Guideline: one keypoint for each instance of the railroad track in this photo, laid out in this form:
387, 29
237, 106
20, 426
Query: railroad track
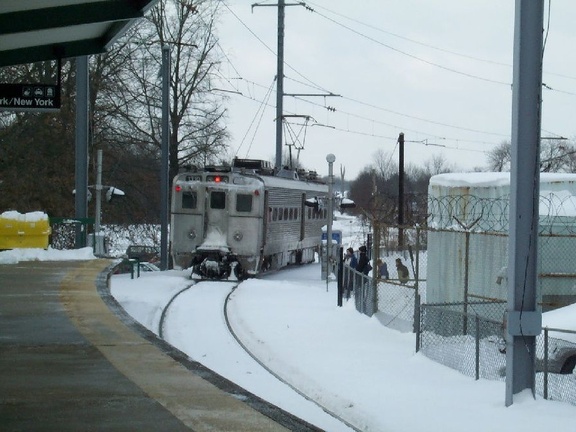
203, 331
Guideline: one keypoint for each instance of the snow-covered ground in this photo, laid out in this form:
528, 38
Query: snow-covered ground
351, 364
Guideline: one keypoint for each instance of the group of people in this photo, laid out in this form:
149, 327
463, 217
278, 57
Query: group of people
362, 264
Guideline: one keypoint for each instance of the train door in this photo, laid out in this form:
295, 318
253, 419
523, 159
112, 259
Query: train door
303, 217
266, 218
217, 215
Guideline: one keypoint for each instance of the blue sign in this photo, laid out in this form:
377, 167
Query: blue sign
336, 236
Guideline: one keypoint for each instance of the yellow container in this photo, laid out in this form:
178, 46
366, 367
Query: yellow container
29, 230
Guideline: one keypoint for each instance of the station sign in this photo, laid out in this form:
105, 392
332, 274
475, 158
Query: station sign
29, 97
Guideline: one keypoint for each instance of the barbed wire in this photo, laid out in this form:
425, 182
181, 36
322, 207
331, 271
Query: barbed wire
491, 215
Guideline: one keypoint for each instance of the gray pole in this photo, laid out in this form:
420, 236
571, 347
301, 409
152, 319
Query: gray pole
280, 83
81, 169
330, 158
524, 321
401, 191
165, 165
98, 216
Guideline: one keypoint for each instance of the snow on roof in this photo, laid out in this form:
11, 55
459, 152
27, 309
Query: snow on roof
24, 217
490, 179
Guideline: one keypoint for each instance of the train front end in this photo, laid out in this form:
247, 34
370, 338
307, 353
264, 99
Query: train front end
217, 223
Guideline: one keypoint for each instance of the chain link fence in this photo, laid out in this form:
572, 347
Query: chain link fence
455, 299
475, 346
469, 343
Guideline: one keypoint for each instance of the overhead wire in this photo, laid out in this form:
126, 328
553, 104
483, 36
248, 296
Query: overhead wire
311, 84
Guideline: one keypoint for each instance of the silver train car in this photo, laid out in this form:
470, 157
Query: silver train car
244, 219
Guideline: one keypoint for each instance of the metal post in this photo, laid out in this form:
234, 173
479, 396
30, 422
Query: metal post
330, 158
401, 191
98, 215
340, 275
165, 165
81, 170
375, 269
477, 344
524, 320
280, 83
546, 347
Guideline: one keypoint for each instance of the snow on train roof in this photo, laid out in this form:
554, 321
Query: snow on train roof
272, 181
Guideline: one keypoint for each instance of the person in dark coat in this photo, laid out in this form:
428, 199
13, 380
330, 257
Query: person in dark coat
403, 274
363, 263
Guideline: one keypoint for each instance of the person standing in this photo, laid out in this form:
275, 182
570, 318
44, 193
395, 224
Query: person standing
403, 274
382, 269
350, 258
363, 263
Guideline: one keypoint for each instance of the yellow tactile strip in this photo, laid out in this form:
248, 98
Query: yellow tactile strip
194, 401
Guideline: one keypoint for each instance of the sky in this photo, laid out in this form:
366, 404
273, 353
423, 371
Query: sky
440, 72
368, 374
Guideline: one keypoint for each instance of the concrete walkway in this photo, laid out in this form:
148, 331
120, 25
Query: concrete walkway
69, 363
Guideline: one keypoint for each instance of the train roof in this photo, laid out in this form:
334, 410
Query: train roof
264, 171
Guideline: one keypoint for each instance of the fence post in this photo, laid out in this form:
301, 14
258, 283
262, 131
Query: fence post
340, 279
477, 336
417, 323
545, 362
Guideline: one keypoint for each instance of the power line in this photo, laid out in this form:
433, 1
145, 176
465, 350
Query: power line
412, 56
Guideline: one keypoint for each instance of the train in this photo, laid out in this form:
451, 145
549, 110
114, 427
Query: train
245, 219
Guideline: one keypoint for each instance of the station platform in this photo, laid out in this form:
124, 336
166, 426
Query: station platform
72, 360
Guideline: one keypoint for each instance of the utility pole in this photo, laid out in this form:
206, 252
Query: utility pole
280, 83
280, 76
401, 191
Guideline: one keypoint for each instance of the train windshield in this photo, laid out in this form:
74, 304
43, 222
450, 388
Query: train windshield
189, 200
244, 203
218, 200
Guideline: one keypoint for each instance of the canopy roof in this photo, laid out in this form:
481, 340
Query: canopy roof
38, 30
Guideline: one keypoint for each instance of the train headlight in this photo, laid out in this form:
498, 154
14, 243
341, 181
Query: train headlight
238, 236
192, 235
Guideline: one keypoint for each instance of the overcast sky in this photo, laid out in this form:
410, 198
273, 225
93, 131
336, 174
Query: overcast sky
439, 71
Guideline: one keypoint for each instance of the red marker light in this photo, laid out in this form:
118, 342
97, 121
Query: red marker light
217, 179
177, 188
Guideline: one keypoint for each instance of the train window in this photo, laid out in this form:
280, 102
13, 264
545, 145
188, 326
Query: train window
189, 200
285, 214
275, 214
218, 200
291, 213
296, 213
243, 203
279, 214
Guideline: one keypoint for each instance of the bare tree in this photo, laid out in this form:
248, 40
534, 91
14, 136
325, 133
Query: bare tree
385, 164
499, 157
133, 105
555, 156
437, 164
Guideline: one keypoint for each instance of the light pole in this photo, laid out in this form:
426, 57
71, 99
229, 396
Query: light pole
330, 158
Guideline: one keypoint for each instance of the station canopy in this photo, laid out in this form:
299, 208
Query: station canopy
39, 30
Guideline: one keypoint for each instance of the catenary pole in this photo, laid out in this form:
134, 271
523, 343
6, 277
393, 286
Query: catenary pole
165, 165
524, 320
280, 83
